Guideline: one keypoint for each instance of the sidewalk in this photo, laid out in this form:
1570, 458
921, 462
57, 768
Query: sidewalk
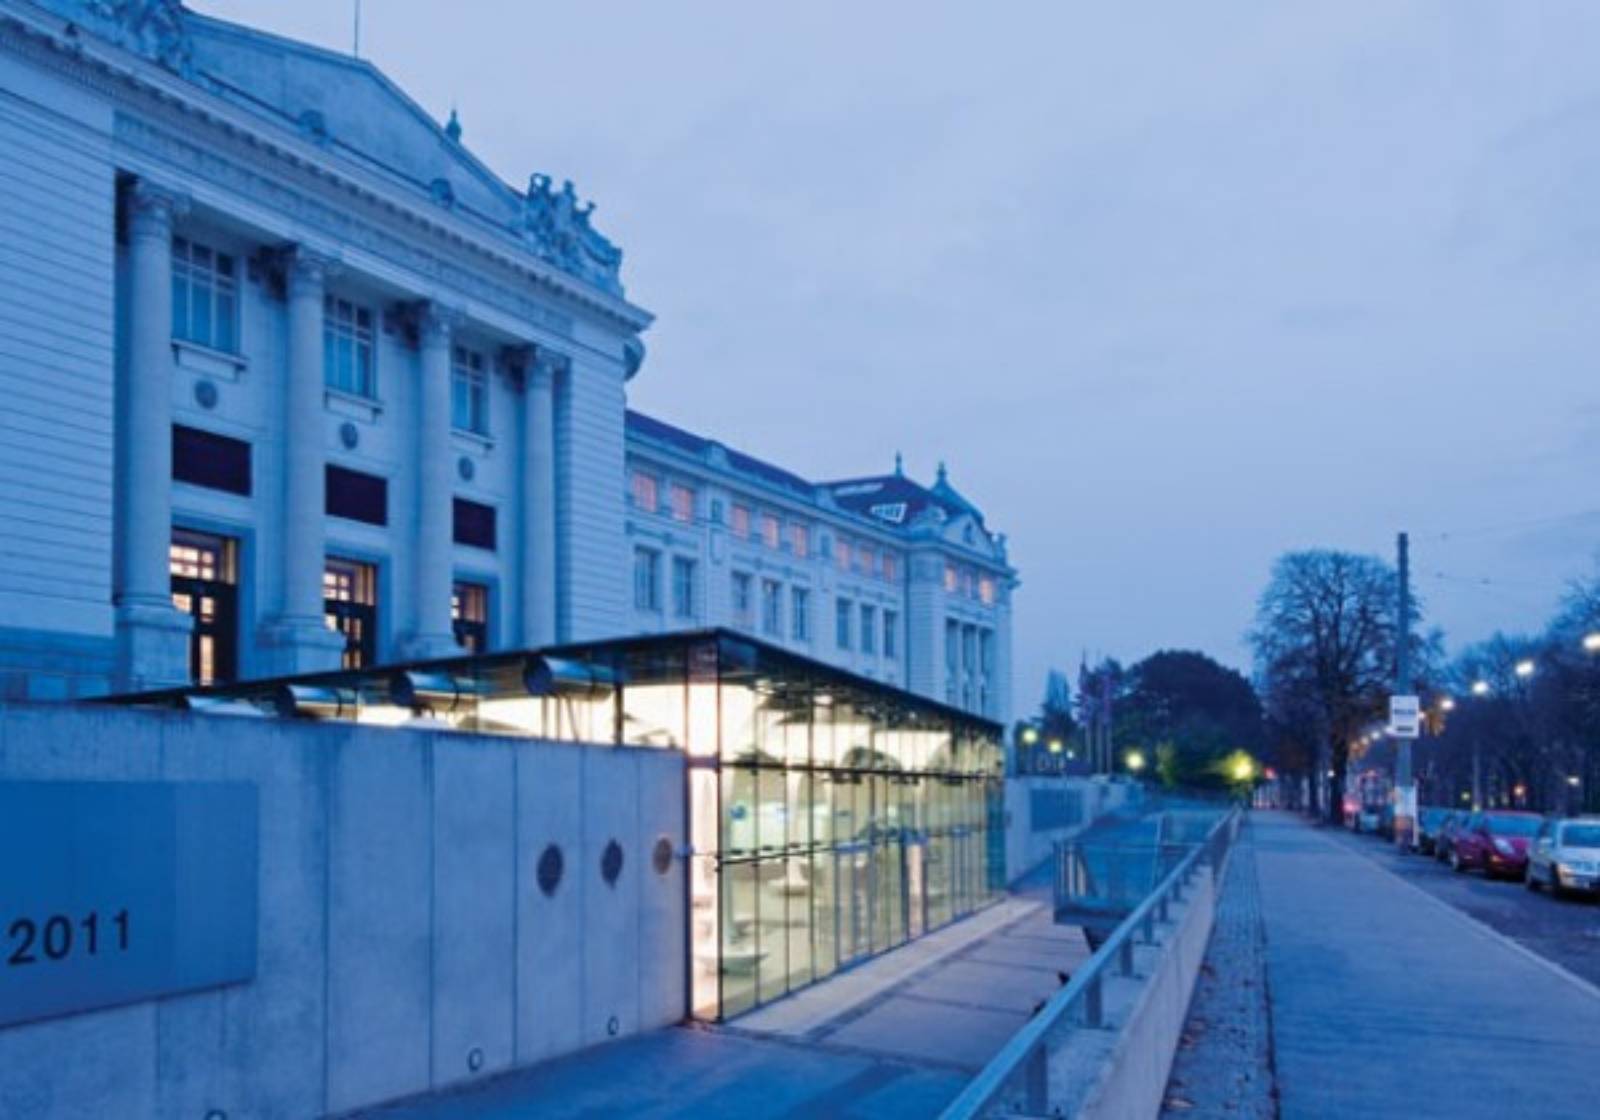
1388, 1002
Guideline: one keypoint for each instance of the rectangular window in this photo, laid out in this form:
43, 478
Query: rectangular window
647, 579
682, 499
869, 629
769, 530
891, 634
865, 560
682, 587
645, 491
205, 296
469, 615
841, 555
969, 648
969, 583
474, 524
842, 609
350, 606
741, 596
986, 650
469, 392
741, 522
356, 496
800, 540
800, 614
204, 573
891, 567
952, 644
206, 459
986, 591
771, 607
347, 347
952, 579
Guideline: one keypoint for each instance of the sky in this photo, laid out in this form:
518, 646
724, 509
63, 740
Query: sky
1172, 288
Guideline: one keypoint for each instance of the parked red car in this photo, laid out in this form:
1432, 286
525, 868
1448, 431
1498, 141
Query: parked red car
1495, 843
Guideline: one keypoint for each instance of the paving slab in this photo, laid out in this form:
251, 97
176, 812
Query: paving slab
1387, 1002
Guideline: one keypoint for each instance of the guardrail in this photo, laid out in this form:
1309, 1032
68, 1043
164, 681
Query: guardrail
1016, 1081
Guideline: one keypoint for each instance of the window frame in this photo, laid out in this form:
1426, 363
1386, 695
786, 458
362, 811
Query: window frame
347, 320
683, 587
469, 389
218, 283
647, 579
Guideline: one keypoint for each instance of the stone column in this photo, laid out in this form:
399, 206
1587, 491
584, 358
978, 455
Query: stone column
539, 498
432, 634
298, 638
152, 635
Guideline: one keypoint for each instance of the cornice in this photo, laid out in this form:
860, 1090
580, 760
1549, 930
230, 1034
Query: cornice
104, 68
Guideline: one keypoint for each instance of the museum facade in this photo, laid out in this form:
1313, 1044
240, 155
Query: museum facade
295, 383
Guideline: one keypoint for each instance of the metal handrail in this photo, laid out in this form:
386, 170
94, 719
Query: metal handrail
1028, 1051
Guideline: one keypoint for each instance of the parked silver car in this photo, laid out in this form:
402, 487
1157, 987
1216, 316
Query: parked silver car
1565, 856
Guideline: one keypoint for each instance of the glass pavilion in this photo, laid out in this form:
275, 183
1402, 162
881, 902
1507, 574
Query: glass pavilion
830, 817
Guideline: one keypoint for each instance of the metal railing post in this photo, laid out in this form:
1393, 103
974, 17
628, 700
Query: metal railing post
1125, 956
1036, 1081
1093, 1007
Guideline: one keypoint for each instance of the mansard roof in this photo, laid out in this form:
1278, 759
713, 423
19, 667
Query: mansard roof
892, 501
349, 106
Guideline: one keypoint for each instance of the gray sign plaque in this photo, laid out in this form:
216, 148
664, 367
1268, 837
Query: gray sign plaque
112, 892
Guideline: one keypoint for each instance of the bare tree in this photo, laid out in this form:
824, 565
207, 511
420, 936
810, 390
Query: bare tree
1324, 642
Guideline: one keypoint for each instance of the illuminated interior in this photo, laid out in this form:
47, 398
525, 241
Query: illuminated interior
830, 818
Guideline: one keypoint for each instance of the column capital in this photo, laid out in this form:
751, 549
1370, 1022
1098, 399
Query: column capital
545, 365
151, 210
306, 272
436, 322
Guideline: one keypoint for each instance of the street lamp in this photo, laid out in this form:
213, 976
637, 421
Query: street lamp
1055, 746
1243, 770
1591, 642
1030, 735
1480, 688
1574, 781
1448, 704
1135, 761
1524, 668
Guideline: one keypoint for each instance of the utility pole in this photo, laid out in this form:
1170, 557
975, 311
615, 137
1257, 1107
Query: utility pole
1405, 790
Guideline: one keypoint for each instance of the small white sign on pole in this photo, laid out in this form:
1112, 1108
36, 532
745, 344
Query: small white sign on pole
1405, 717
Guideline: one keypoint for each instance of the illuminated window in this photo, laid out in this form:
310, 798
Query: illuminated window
865, 559
891, 566
469, 392
347, 347
986, 590
350, 606
203, 570
645, 491
205, 296
682, 499
469, 616
800, 539
841, 554
952, 579
769, 530
741, 522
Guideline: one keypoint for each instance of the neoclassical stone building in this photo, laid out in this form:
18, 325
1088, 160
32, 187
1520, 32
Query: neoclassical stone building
292, 380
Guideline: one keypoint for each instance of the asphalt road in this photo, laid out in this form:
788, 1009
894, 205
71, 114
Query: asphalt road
1566, 931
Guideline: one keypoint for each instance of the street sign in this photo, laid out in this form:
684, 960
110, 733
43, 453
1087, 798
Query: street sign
113, 892
1405, 717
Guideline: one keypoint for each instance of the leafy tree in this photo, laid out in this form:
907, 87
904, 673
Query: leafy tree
1193, 712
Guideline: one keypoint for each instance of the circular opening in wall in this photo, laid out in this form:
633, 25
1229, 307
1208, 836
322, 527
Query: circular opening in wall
549, 872
612, 1026
216, 1114
475, 1059
349, 435
661, 855
205, 393
611, 863
466, 468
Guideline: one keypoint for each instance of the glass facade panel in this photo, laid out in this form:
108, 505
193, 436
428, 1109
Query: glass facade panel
828, 818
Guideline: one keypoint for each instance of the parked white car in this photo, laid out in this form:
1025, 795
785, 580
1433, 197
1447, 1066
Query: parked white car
1565, 856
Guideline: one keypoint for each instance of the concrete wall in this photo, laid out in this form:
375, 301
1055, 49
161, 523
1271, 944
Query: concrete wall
1029, 842
402, 935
